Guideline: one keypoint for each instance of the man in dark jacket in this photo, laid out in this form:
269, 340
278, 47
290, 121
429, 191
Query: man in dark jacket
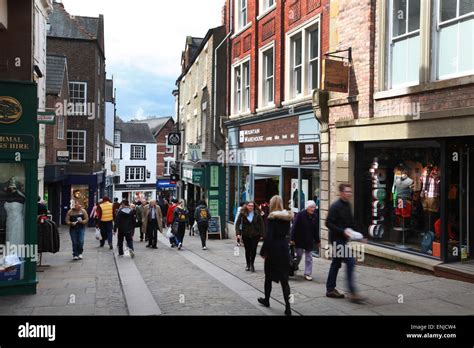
125, 220
304, 234
340, 223
202, 215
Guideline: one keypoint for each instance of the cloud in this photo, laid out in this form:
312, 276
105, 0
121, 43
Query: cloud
144, 41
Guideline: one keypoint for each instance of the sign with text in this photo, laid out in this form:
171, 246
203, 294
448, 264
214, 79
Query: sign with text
194, 153
62, 156
335, 76
17, 143
283, 131
214, 176
214, 226
47, 117
309, 153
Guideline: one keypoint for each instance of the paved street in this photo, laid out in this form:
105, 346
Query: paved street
213, 282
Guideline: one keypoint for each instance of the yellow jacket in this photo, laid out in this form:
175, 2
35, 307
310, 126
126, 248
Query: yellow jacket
106, 212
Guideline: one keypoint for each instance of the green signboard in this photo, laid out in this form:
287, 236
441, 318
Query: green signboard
214, 207
198, 175
214, 176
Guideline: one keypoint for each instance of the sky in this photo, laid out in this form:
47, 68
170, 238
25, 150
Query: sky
143, 44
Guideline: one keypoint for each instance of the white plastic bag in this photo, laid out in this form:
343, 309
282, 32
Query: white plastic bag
98, 235
169, 234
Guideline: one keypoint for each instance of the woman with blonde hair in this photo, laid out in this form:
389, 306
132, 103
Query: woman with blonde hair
276, 252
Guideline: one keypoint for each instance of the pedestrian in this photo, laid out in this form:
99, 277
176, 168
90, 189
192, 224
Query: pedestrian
181, 218
152, 220
115, 206
243, 205
340, 224
125, 224
275, 252
139, 213
251, 228
77, 219
202, 215
169, 220
164, 210
95, 213
304, 234
42, 207
106, 218
191, 210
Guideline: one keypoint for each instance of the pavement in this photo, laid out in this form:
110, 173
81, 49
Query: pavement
214, 282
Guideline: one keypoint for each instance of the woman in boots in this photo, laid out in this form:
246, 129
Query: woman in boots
251, 228
276, 252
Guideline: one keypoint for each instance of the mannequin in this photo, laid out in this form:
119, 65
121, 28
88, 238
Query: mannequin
404, 190
12, 202
430, 192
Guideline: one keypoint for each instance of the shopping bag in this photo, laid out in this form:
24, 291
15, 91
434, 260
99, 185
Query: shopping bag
98, 235
169, 234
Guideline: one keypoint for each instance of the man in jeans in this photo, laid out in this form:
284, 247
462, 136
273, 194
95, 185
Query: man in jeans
340, 223
202, 217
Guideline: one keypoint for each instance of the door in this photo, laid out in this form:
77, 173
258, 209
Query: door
461, 201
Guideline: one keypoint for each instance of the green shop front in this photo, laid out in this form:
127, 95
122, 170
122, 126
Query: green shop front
19, 148
206, 181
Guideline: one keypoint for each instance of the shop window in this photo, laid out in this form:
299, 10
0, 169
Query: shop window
291, 189
234, 201
80, 194
398, 195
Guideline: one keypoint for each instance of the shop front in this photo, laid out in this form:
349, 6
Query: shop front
277, 156
19, 148
135, 192
165, 188
412, 196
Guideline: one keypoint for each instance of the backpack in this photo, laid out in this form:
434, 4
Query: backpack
427, 242
203, 215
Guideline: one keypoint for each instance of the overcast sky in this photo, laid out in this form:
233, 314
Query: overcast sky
143, 44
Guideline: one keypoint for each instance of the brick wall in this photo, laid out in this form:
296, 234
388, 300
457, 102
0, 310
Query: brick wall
161, 148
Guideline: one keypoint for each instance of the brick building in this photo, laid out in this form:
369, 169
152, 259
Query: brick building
275, 54
410, 109
68, 35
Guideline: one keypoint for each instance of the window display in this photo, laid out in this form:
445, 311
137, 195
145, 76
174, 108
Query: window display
80, 194
399, 193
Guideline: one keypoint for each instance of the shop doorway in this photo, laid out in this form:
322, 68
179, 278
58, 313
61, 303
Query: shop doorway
461, 200
266, 188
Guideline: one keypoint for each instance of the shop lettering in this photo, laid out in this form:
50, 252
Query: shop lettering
379, 193
13, 143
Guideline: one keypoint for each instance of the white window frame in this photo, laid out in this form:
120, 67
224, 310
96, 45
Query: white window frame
302, 30
117, 138
167, 168
76, 110
71, 149
263, 90
61, 127
405, 36
138, 174
241, 23
265, 7
238, 99
98, 103
438, 25
138, 152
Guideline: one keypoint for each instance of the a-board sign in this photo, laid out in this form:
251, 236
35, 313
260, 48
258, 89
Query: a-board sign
214, 226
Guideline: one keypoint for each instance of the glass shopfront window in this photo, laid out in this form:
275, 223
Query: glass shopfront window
240, 188
80, 193
398, 194
291, 189
300, 186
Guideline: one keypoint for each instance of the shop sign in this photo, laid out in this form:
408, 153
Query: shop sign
17, 143
174, 139
309, 154
10, 110
198, 174
47, 117
335, 76
62, 156
188, 174
282, 131
194, 153
214, 176
379, 195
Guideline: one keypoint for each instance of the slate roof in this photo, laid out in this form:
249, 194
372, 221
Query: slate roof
155, 124
64, 25
135, 133
56, 71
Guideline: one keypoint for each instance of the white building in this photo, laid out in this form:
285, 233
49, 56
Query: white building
135, 158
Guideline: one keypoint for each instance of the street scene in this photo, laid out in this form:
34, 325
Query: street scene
236, 158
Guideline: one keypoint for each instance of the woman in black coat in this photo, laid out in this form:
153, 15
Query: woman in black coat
251, 227
276, 252
304, 234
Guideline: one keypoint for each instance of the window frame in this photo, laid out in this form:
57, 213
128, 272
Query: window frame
392, 39
84, 104
302, 31
238, 95
135, 168
61, 128
133, 155
265, 7
84, 160
263, 90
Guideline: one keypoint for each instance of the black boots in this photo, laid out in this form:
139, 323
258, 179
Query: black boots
288, 310
264, 302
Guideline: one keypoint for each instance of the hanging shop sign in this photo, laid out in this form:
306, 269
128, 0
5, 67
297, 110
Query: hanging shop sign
335, 76
62, 156
194, 153
309, 154
174, 139
46, 117
10, 110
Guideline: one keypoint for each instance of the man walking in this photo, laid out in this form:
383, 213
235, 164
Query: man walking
125, 224
139, 212
340, 223
202, 217
106, 218
152, 219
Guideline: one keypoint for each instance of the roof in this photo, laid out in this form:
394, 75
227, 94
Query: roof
155, 124
64, 25
136, 133
56, 71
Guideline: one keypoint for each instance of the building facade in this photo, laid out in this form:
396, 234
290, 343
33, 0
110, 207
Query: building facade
135, 153
275, 54
85, 108
403, 135
201, 99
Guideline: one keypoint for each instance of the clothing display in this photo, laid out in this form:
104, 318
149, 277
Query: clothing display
48, 237
404, 209
12, 212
